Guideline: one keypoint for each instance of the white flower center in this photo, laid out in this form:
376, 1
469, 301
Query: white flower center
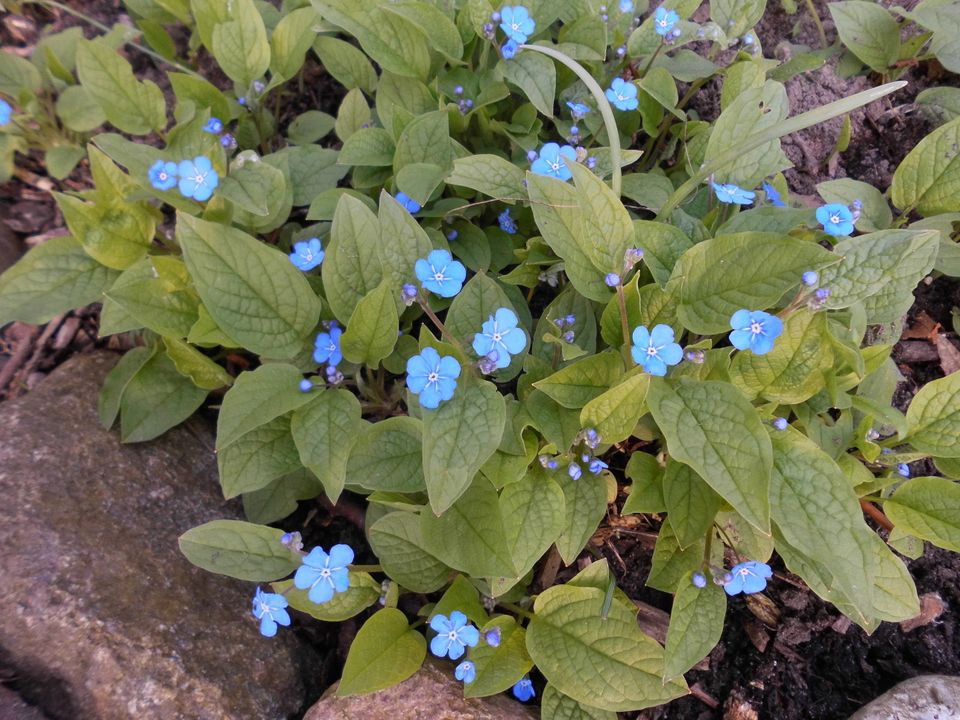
199, 178
452, 635
756, 328
308, 256
652, 351
621, 97
433, 377
325, 573
514, 26
264, 608
163, 176
835, 219
438, 276
662, 23
497, 337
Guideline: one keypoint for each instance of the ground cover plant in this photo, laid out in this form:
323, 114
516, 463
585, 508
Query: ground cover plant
512, 275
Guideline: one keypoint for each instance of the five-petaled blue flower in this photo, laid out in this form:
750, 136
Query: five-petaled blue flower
432, 377
654, 350
516, 23
773, 195
664, 20
198, 179
214, 126
325, 575
523, 690
748, 578
730, 193
623, 94
507, 223
500, 333
6, 112
509, 49
270, 610
578, 110
409, 204
836, 219
466, 672
327, 347
440, 273
755, 330
550, 161
307, 254
454, 634
163, 175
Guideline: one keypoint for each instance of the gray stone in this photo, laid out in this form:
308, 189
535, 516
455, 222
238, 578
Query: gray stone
103, 617
12, 707
928, 697
430, 694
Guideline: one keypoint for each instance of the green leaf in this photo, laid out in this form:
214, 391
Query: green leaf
134, 107
309, 127
155, 292
479, 299
536, 76
62, 159
114, 233
659, 84
353, 114
585, 502
577, 384
662, 246
346, 63
364, 591
325, 431
372, 147
279, 499
696, 623
78, 109
736, 16
258, 458
692, 505
557, 424
463, 596
533, 517
239, 550
458, 438
696, 419
312, 171
194, 94
386, 651
880, 269
646, 489
426, 139
928, 507
869, 31
557, 706
671, 562
251, 290
291, 39
388, 456
934, 417
763, 267
18, 75
351, 268
156, 399
114, 385
491, 175
372, 329
408, 242
256, 398
240, 45
606, 662
398, 542
928, 179
793, 371
191, 363
876, 213
604, 217
433, 23
251, 186
50, 279
499, 668
615, 413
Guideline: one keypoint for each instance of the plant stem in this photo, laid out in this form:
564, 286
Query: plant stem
877, 515
367, 568
609, 121
653, 57
438, 324
624, 324
608, 598
512, 607
816, 21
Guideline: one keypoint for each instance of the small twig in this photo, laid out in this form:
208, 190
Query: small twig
18, 358
700, 694
876, 515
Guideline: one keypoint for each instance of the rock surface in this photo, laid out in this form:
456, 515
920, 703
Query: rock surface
430, 694
103, 617
928, 697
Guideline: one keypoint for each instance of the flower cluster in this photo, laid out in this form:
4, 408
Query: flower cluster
195, 178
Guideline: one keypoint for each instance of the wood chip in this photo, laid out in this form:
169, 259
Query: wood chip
931, 607
757, 633
949, 354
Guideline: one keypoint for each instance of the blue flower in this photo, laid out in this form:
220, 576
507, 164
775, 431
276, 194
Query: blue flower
773, 197
664, 20
748, 578
755, 330
903, 470
516, 23
509, 49
409, 204
626, 6
597, 466
655, 350
780, 423
327, 347
550, 161
440, 273
611, 280
699, 580
454, 634
730, 193
214, 126
492, 637
466, 671
623, 94
432, 377
574, 471
228, 141
507, 223
836, 219
306, 385
325, 575
270, 610
163, 175
523, 690
809, 278
198, 179
578, 110
6, 112
307, 255
501, 334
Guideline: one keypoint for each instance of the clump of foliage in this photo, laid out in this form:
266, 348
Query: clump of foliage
520, 277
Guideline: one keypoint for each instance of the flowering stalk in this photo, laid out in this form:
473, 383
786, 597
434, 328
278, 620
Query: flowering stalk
439, 324
624, 325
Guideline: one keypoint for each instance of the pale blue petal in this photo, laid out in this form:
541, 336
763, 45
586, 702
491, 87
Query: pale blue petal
431, 357
268, 628
445, 387
639, 354
281, 617
540, 167
569, 153
416, 383
661, 335
514, 340
321, 593
761, 345
317, 558
772, 326
430, 397
422, 269
449, 367
439, 645
550, 152
503, 357
440, 624
456, 271
341, 555
469, 635
305, 577
457, 619
482, 344
671, 353
455, 650
655, 366
641, 337
341, 580
505, 319
740, 339
740, 320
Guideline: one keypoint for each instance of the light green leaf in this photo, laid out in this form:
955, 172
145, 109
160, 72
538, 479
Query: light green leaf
662, 246
388, 456
602, 661
557, 706
692, 504
585, 502
536, 76
156, 399
458, 438
696, 623
364, 591
346, 63
869, 31
353, 114
386, 651
398, 542
407, 242
603, 217
325, 432
577, 384
928, 507
291, 39
671, 562
928, 179
258, 458
156, 293
646, 489
934, 417
114, 385
17, 75
499, 668
557, 424
351, 268
372, 147
433, 23
50, 279
491, 175
240, 45
194, 94
615, 413
876, 214
251, 290
114, 233
239, 550
372, 329
251, 186
696, 419
190, 362
736, 16
78, 109
426, 139
533, 517
310, 126
463, 596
